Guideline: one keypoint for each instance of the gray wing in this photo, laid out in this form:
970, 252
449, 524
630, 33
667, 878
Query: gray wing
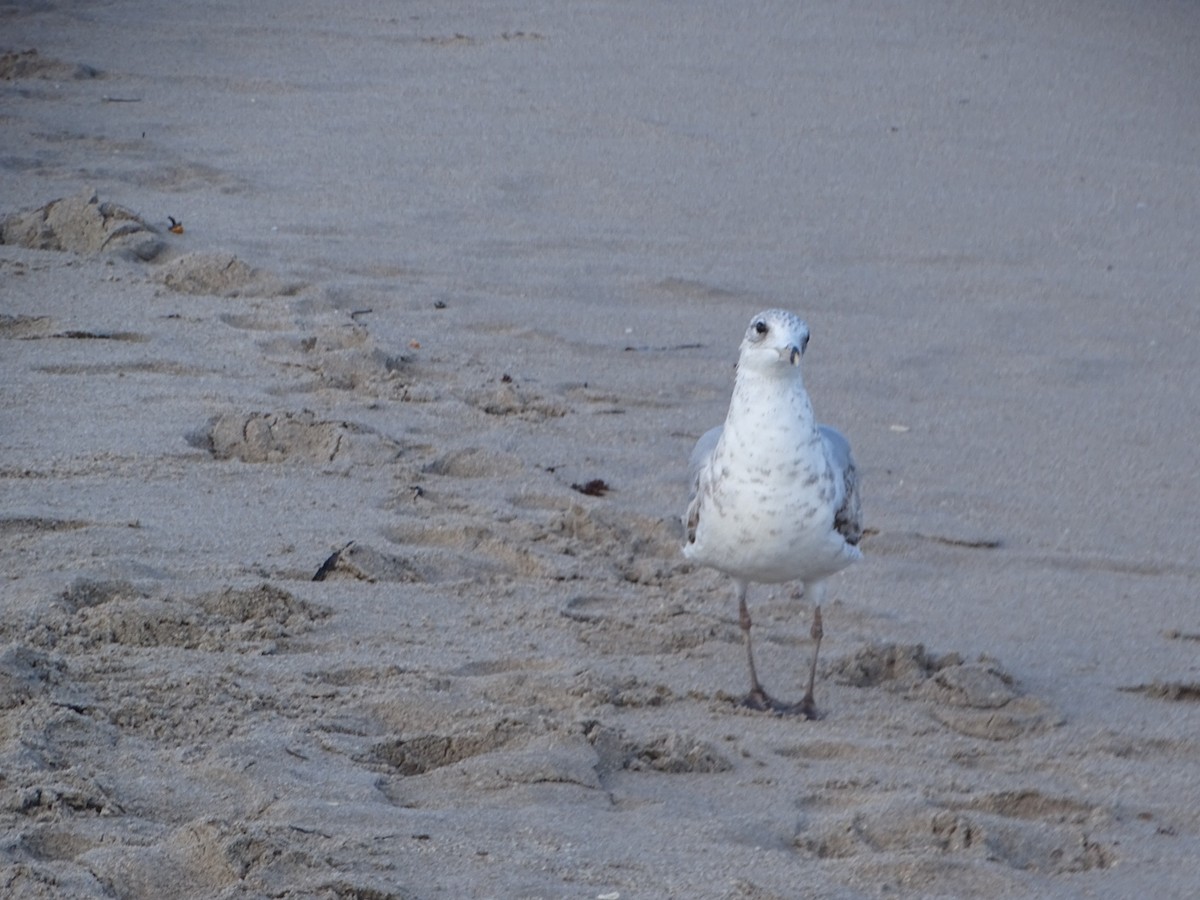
848, 518
701, 454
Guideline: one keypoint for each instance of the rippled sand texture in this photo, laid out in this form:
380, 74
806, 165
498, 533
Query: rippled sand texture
350, 363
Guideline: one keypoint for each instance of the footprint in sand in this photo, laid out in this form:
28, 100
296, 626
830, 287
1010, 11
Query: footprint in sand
276, 437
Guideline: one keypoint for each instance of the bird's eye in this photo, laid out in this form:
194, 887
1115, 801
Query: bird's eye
760, 327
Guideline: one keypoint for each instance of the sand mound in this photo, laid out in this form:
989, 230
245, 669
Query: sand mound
28, 64
221, 275
276, 437
83, 224
91, 613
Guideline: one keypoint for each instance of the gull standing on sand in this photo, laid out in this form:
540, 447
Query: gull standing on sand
774, 494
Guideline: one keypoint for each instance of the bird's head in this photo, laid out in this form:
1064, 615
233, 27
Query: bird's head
774, 342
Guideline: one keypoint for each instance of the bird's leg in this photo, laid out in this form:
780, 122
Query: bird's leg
757, 698
807, 706
814, 591
760, 699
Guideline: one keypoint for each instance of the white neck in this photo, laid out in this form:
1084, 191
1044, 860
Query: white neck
762, 398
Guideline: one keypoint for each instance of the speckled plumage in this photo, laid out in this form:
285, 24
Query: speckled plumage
774, 494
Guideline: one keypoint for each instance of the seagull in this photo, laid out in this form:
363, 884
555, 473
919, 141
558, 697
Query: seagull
774, 495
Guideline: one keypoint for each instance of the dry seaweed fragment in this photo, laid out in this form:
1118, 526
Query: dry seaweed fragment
1166, 690
597, 487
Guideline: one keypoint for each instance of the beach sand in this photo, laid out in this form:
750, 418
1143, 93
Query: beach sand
456, 289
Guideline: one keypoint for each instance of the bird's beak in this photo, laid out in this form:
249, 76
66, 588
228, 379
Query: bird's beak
795, 354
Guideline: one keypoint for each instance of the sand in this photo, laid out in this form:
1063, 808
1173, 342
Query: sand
457, 287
